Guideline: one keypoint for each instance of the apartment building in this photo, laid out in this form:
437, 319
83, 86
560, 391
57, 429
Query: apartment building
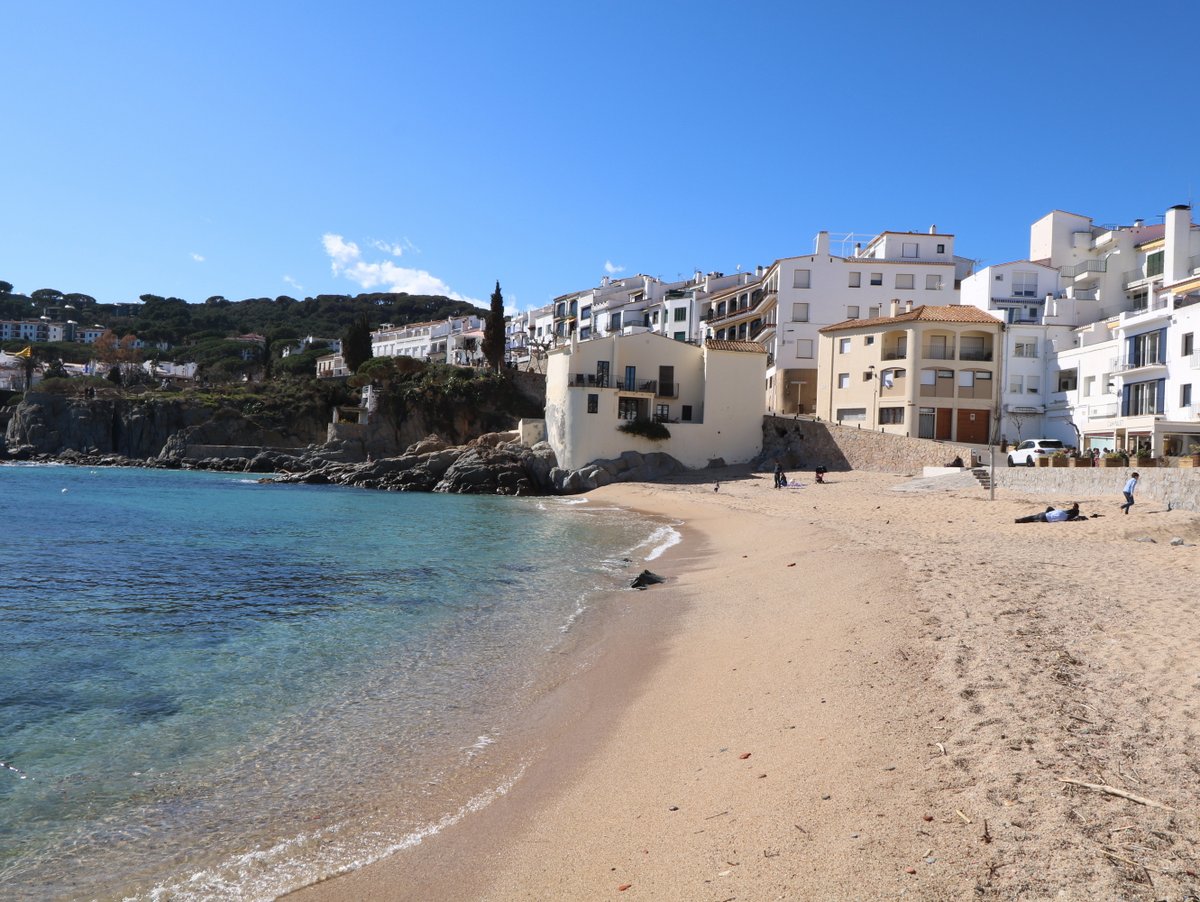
795, 297
456, 340
710, 396
927, 372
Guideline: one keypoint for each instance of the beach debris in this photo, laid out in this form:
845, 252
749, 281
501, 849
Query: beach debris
623, 887
724, 873
927, 818
1113, 791
966, 820
762, 776
673, 808
16, 770
987, 837
910, 870
646, 578
1177, 540
718, 814
744, 755
826, 798
793, 564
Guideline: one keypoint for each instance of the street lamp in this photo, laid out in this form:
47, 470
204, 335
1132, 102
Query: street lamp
871, 374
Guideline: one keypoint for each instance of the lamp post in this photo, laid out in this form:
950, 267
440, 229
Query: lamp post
873, 376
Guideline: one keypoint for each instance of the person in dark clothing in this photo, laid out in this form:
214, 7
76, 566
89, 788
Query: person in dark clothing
1054, 515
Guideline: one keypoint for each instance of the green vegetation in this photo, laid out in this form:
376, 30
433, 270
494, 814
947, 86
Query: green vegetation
648, 429
493, 331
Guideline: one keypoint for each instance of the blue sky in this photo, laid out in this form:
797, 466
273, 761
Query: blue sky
258, 149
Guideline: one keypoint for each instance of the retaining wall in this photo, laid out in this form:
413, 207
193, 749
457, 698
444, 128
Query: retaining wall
805, 444
1178, 486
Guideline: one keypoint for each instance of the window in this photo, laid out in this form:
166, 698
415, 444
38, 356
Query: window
873, 312
585, 332
1185, 395
1033, 385
686, 415
1146, 349
614, 322
843, 346
799, 313
1154, 264
876, 278
904, 281
585, 313
941, 249
1089, 386
1024, 285
852, 311
662, 412
680, 336
855, 280
1068, 380
1027, 348
593, 403
1016, 384
869, 340
851, 414
1186, 347
843, 380
680, 314
933, 282
1142, 398
804, 348
891, 416
909, 249
802, 278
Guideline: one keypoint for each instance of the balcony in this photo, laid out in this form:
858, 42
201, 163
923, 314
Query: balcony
1125, 365
667, 390
638, 386
984, 355
1101, 411
896, 353
1087, 267
938, 353
587, 380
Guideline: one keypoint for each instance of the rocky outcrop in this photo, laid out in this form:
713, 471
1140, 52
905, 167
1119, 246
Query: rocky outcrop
45, 423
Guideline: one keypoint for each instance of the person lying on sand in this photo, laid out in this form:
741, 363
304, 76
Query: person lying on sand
1054, 515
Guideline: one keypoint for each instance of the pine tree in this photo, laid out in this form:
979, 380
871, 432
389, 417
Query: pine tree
356, 344
493, 331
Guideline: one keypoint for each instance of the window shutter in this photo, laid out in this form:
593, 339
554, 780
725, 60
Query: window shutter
1162, 347
1160, 396
1131, 351
1125, 400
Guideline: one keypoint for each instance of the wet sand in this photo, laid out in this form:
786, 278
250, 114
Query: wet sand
846, 691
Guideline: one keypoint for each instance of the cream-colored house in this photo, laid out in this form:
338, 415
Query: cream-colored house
927, 372
709, 397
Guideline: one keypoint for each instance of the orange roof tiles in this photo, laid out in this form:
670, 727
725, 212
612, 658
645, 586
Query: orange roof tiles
926, 313
724, 345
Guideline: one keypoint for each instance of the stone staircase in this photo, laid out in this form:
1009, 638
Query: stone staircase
982, 476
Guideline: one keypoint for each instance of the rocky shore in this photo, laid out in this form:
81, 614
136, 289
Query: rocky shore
492, 464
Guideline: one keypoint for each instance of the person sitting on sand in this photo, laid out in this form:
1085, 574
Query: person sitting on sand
1054, 515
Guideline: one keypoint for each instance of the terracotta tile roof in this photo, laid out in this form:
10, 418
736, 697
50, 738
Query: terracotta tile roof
926, 313
724, 345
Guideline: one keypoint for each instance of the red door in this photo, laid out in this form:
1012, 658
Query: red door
973, 427
941, 429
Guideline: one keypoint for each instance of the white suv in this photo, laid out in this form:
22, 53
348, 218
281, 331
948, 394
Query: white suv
1026, 453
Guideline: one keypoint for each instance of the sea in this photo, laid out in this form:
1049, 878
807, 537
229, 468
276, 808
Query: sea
215, 688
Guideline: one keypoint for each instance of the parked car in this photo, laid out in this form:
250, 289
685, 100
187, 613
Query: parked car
1027, 453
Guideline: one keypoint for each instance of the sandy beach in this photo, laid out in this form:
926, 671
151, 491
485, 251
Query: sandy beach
868, 689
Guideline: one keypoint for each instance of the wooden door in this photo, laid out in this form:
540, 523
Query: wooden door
973, 427
944, 423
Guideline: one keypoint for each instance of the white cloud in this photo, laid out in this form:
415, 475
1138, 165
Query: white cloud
197, 257
396, 248
290, 281
611, 268
346, 260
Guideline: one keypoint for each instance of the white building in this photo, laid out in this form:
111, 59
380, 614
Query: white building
795, 297
457, 340
710, 397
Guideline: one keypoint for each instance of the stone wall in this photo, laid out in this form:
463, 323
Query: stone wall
1178, 486
804, 444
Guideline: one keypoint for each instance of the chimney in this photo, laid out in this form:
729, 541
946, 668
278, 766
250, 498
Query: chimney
604, 281
758, 271
908, 306
1138, 223
892, 305
857, 248
1176, 243
933, 229
822, 246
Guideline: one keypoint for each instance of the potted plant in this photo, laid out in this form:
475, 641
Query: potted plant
1146, 461
1081, 460
1190, 460
1059, 458
1113, 459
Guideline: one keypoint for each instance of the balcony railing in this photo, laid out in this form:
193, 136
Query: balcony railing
588, 380
668, 390
974, 355
895, 353
1070, 272
1153, 360
649, 387
1101, 411
938, 353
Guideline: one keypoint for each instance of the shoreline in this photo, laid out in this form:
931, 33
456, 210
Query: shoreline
864, 693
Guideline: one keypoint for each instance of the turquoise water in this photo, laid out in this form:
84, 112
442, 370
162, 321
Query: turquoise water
212, 688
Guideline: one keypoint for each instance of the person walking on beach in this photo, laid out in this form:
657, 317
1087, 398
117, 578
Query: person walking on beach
1130, 485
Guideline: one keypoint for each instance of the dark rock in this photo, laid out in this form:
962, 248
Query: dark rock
645, 579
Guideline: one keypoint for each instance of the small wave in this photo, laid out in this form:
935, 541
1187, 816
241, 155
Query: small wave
284, 867
661, 539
